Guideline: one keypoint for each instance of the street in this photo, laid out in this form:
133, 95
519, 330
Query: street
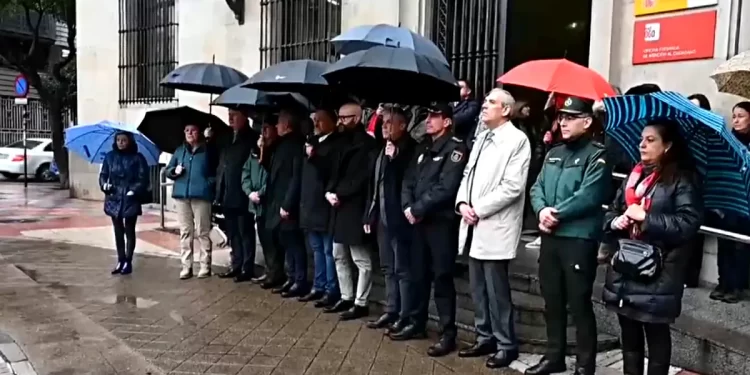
60, 305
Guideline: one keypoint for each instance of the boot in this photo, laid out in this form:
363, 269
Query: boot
127, 268
186, 273
205, 271
118, 268
632, 363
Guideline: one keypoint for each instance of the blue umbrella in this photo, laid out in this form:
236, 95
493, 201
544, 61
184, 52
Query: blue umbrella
720, 158
366, 36
93, 142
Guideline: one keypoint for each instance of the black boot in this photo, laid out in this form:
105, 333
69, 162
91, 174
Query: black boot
632, 363
118, 268
127, 268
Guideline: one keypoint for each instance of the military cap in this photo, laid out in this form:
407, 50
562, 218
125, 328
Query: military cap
575, 105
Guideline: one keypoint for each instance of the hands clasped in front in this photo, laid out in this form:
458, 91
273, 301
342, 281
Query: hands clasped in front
468, 214
548, 219
634, 214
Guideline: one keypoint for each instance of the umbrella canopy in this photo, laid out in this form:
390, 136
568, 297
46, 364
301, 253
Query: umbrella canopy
93, 142
205, 78
559, 76
301, 76
721, 159
394, 75
165, 127
733, 76
365, 37
239, 96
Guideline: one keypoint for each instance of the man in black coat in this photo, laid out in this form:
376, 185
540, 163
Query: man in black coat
315, 211
347, 193
385, 217
235, 148
282, 212
465, 113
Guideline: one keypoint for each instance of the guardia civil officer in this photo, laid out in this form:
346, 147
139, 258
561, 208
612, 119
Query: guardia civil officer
567, 199
427, 196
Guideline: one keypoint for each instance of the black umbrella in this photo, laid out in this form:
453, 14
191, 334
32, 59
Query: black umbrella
301, 76
165, 127
252, 99
207, 78
394, 75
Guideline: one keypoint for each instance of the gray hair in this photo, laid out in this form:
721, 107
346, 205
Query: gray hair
505, 97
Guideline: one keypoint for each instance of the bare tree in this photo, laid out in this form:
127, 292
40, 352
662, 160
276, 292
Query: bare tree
56, 82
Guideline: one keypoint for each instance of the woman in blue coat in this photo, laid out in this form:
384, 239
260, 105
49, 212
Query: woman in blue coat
124, 180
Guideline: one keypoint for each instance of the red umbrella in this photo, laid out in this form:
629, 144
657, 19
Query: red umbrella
559, 76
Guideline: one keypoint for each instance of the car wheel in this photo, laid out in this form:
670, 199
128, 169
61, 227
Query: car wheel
10, 176
44, 174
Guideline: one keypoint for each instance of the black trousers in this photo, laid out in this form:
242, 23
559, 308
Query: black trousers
567, 270
273, 252
241, 233
124, 231
435, 242
633, 345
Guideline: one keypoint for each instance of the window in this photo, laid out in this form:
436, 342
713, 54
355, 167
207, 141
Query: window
298, 29
48, 148
469, 33
30, 144
148, 50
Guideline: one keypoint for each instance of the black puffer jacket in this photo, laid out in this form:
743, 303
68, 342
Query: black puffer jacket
673, 220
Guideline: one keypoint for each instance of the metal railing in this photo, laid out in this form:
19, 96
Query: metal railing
720, 233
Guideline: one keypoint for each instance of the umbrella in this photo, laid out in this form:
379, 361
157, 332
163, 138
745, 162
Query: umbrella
207, 78
733, 76
165, 127
239, 96
721, 159
559, 76
394, 75
93, 142
301, 76
367, 36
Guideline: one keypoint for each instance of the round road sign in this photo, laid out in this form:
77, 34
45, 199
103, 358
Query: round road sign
21, 86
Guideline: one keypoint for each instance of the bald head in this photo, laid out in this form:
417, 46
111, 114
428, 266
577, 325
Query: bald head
350, 115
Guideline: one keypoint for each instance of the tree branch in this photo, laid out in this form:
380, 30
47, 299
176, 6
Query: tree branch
34, 31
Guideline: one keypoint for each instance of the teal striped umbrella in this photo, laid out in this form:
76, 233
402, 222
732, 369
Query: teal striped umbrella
721, 159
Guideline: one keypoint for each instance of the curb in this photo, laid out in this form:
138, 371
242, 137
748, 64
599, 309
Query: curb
13, 361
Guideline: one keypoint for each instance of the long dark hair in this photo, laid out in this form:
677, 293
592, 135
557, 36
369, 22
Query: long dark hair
744, 105
702, 101
132, 146
677, 161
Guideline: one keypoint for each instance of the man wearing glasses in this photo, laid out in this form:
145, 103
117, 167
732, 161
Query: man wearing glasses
567, 199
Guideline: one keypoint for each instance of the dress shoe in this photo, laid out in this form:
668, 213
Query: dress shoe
230, 274
271, 284
127, 268
409, 332
442, 348
294, 291
283, 288
326, 301
259, 280
243, 277
312, 296
546, 367
502, 359
355, 312
397, 326
383, 321
340, 306
186, 273
118, 268
478, 350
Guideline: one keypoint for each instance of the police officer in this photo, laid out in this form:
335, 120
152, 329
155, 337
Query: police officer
567, 199
427, 196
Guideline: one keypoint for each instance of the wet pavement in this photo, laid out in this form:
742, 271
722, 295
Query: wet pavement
70, 316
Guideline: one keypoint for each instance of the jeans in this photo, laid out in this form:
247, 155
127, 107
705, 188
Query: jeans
396, 259
293, 243
325, 279
125, 229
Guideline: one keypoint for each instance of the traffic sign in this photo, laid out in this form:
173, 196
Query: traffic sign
21, 86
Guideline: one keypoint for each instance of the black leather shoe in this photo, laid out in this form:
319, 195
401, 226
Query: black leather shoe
355, 312
502, 359
287, 285
478, 350
243, 277
383, 321
118, 268
230, 274
294, 291
410, 332
326, 301
312, 296
270, 284
546, 367
442, 348
259, 280
397, 326
340, 306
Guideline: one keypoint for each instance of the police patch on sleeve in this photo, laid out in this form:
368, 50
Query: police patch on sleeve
457, 156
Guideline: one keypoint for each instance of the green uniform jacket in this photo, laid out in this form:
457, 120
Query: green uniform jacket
254, 179
575, 180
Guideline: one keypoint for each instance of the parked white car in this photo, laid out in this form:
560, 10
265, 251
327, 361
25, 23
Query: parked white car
39, 154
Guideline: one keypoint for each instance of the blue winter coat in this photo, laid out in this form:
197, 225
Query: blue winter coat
125, 171
198, 178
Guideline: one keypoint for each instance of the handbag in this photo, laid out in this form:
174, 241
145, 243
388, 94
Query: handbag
637, 260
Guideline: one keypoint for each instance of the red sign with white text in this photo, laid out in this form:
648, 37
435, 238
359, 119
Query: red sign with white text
676, 38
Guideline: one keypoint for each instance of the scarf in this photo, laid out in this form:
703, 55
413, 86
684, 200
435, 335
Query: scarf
638, 189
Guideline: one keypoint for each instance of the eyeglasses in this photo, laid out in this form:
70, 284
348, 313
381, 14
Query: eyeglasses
346, 117
569, 117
